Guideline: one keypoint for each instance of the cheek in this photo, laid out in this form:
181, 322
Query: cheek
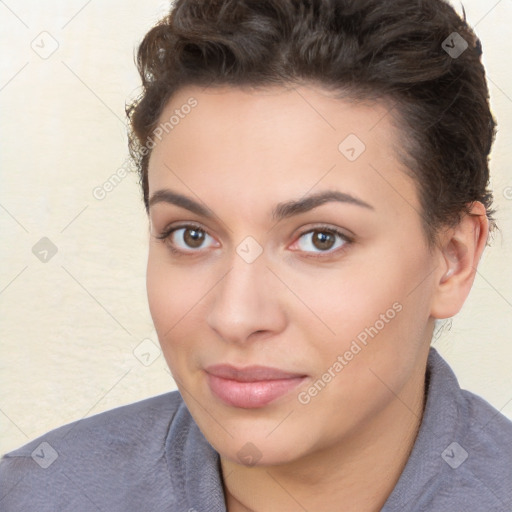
379, 338
177, 296
166, 299
343, 301
172, 294
376, 311
162, 296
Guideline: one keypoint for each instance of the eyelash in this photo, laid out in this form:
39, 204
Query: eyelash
165, 235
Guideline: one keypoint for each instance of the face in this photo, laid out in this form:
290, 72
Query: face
289, 278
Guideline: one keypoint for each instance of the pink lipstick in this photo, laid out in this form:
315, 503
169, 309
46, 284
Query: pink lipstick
250, 387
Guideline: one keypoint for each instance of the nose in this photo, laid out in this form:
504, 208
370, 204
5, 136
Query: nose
246, 303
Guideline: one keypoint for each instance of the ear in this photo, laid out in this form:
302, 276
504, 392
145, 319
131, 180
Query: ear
459, 250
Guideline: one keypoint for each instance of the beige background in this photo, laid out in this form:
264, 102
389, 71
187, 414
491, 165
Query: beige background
71, 327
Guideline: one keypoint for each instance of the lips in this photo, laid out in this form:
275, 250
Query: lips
249, 373
250, 387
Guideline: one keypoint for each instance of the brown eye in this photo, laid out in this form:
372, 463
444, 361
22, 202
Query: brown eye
193, 237
184, 238
323, 240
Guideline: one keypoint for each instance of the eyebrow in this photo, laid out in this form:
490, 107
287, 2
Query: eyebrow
281, 210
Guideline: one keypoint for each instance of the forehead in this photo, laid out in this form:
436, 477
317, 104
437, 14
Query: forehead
257, 116
277, 143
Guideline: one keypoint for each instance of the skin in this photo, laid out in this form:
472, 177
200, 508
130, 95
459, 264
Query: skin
240, 153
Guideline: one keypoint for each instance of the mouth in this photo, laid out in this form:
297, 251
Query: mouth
250, 387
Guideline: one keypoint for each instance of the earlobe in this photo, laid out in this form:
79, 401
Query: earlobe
459, 254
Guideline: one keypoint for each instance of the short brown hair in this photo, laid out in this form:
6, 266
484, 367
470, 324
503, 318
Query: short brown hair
393, 50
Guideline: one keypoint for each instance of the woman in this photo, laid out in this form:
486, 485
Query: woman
316, 181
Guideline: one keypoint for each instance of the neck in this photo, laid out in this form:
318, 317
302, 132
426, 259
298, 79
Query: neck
359, 472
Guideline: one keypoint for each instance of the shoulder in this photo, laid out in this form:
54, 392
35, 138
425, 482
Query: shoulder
462, 456
95, 458
476, 468
488, 444
120, 426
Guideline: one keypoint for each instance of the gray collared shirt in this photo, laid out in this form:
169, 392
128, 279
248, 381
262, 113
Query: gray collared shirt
151, 456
